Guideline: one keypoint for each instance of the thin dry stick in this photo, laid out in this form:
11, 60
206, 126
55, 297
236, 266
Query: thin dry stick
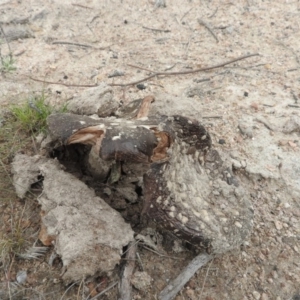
155, 29
159, 254
182, 72
106, 290
214, 13
78, 44
125, 284
66, 291
8, 45
151, 76
185, 14
64, 84
212, 117
171, 290
140, 261
205, 279
70, 43
201, 22
82, 6
81, 284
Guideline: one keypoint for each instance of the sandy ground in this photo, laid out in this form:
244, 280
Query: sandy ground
83, 42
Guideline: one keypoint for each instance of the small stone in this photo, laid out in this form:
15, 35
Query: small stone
264, 296
236, 164
245, 130
270, 280
256, 295
107, 191
141, 86
21, 277
274, 274
278, 225
141, 280
128, 193
116, 73
222, 141
191, 294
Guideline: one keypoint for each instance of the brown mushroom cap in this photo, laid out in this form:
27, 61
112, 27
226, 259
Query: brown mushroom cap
117, 139
184, 188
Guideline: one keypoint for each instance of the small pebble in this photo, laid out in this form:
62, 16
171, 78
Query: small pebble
264, 296
141, 280
278, 225
21, 277
116, 73
256, 295
107, 191
222, 141
141, 86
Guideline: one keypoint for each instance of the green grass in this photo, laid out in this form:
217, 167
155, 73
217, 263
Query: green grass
11, 243
33, 114
7, 64
17, 130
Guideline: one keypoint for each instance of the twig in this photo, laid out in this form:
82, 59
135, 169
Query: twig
171, 290
264, 122
188, 44
140, 261
141, 68
155, 29
181, 72
213, 14
212, 117
104, 291
78, 44
186, 14
201, 22
70, 43
65, 84
205, 279
82, 6
80, 285
66, 291
160, 254
125, 284
153, 75
171, 67
8, 45
201, 69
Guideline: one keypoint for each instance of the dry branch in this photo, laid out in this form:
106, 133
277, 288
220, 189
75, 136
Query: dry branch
125, 285
170, 291
153, 75
201, 22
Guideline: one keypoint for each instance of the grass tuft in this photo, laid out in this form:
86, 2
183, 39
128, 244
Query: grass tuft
33, 114
11, 243
7, 64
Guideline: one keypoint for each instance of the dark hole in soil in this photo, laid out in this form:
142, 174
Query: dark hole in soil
119, 195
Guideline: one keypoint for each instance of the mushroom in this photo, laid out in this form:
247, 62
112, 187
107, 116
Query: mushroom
186, 187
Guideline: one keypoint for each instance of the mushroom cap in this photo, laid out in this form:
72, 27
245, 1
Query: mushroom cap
189, 188
116, 139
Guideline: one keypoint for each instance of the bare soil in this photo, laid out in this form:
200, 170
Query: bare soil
246, 104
